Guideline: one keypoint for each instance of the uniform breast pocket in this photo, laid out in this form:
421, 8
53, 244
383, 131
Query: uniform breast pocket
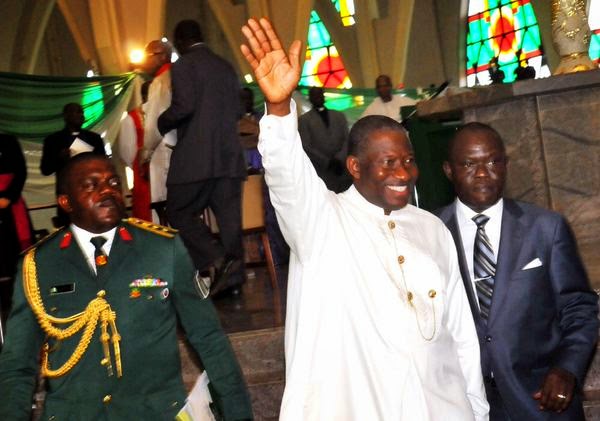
149, 307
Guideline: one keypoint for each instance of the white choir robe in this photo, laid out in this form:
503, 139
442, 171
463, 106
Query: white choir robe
159, 162
159, 99
353, 347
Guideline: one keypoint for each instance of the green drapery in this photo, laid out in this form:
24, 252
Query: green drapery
31, 106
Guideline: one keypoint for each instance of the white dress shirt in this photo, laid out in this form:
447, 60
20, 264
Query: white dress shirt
83, 238
468, 230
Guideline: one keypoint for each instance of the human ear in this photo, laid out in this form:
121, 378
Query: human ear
64, 203
447, 170
353, 166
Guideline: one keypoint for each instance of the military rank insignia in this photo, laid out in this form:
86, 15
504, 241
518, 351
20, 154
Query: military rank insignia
66, 240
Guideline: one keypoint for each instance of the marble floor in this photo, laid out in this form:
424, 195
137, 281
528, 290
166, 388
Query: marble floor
259, 306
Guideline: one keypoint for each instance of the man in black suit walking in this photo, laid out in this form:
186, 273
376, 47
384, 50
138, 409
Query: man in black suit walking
207, 165
535, 314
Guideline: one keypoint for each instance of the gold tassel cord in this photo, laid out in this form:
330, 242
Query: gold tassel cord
97, 310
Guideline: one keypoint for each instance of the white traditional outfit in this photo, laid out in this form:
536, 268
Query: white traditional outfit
355, 348
159, 99
390, 108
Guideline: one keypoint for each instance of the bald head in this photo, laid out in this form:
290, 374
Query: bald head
473, 130
157, 53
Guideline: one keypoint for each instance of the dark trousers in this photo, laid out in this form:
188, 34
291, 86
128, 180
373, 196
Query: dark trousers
185, 204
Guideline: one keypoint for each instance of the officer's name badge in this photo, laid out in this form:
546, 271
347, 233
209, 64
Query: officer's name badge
147, 282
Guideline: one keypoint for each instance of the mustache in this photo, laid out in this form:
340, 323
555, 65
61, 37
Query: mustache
110, 200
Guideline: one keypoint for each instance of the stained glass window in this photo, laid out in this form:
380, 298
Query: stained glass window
323, 65
502, 30
594, 21
346, 10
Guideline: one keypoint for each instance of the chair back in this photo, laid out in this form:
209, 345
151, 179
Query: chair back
253, 209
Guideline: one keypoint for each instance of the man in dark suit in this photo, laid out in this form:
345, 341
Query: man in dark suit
535, 314
62, 145
207, 164
324, 135
105, 295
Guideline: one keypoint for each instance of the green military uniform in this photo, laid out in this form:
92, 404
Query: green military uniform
149, 284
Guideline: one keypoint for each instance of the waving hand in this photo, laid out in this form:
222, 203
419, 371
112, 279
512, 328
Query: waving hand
276, 72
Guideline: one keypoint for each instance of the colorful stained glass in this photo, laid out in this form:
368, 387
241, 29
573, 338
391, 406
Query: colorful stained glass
323, 65
501, 30
594, 21
346, 10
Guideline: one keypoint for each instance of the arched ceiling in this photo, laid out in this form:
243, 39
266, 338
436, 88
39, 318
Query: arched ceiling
67, 37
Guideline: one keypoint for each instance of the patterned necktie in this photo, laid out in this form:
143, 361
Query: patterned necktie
100, 258
484, 266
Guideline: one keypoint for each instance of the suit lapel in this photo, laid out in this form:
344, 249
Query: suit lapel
511, 234
452, 225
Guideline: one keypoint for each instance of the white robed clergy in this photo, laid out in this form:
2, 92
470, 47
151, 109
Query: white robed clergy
378, 326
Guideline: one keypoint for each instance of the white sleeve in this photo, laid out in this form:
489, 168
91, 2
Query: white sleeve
462, 329
299, 196
159, 99
127, 143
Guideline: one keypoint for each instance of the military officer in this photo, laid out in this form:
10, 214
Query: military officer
101, 300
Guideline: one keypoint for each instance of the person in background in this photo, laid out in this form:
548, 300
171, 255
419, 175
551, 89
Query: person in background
496, 74
536, 316
524, 71
157, 148
324, 136
101, 300
16, 233
248, 130
207, 165
386, 103
131, 143
60, 146
377, 323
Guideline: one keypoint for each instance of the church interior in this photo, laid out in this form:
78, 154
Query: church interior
438, 53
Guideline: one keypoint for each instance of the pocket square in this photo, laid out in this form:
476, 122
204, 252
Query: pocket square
533, 264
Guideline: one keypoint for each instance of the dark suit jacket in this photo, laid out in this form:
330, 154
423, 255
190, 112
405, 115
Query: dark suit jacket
326, 146
151, 387
53, 160
540, 318
205, 108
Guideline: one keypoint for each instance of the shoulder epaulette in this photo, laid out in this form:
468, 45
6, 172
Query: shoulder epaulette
43, 240
154, 228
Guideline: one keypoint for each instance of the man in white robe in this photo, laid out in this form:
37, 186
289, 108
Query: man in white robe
157, 149
386, 103
378, 326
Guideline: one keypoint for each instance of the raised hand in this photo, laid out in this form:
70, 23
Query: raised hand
276, 72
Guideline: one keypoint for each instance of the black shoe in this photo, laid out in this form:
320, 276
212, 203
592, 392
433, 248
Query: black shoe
222, 272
